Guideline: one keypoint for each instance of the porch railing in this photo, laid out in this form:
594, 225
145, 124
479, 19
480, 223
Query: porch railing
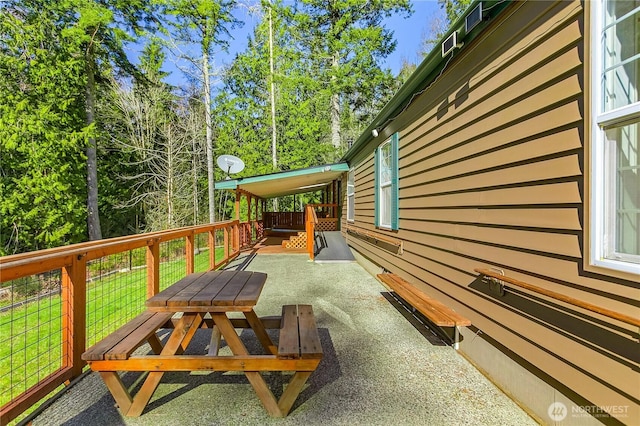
55, 303
284, 220
310, 228
326, 216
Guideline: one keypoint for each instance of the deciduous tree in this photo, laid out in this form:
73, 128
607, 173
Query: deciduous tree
206, 24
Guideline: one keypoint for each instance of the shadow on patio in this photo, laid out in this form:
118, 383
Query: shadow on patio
377, 367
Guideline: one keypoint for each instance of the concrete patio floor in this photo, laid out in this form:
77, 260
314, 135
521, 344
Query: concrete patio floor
378, 369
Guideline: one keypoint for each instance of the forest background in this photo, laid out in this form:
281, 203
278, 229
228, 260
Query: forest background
97, 144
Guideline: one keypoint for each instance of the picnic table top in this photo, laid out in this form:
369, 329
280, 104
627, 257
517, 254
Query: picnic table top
213, 291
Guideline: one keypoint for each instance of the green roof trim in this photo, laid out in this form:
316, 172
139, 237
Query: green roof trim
426, 72
233, 183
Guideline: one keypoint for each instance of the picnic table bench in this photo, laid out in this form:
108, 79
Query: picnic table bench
205, 300
435, 311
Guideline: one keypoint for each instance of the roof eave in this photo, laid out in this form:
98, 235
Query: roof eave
423, 76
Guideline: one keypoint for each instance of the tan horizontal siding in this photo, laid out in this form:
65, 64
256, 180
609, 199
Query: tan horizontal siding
364, 179
555, 168
497, 115
550, 218
551, 193
534, 263
557, 274
465, 281
500, 147
465, 159
543, 242
491, 175
457, 268
365, 187
452, 287
366, 198
509, 68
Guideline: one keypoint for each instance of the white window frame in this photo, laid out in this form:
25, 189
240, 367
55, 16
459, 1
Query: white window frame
385, 201
603, 167
351, 195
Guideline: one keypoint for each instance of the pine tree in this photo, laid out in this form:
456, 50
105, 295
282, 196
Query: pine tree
347, 41
42, 128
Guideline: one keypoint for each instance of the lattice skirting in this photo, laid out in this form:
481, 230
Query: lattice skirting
299, 241
327, 226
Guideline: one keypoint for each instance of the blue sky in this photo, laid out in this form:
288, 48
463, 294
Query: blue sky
407, 31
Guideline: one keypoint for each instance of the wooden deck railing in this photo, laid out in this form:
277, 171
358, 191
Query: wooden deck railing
284, 220
326, 216
311, 220
558, 296
328, 222
75, 288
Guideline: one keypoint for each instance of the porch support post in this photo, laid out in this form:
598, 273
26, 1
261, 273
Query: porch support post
249, 220
238, 195
335, 198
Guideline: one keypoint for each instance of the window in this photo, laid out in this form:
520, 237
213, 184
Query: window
351, 196
615, 235
386, 184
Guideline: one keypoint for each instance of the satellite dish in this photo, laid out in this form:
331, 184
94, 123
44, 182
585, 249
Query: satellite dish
230, 164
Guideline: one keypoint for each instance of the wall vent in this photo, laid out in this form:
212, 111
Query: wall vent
450, 43
473, 18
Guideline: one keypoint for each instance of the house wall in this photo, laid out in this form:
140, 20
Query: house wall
492, 175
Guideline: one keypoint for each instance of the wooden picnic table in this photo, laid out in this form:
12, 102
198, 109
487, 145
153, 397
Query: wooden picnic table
204, 301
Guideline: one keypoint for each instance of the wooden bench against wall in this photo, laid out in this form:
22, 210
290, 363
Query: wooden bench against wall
299, 351
435, 311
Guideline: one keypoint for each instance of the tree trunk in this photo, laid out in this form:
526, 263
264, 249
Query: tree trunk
272, 90
93, 217
335, 109
207, 115
170, 177
195, 180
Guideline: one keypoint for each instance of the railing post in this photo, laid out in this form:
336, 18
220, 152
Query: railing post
153, 267
236, 237
212, 249
74, 313
189, 247
309, 228
225, 232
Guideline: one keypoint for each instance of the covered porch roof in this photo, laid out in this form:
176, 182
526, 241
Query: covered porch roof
287, 182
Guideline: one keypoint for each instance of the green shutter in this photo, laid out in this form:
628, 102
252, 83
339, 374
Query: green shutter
394, 181
376, 190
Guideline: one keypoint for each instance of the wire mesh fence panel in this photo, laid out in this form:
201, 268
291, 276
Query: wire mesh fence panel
201, 252
116, 292
219, 245
31, 333
173, 264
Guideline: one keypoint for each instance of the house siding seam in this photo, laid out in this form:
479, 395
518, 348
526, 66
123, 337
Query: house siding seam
492, 175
